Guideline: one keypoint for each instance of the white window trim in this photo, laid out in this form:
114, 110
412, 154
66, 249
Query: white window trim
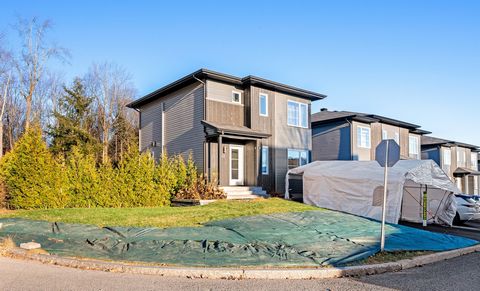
384, 134
300, 104
260, 104
449, 157
413, 151
300, 151
240, 97
267, 161
359, 142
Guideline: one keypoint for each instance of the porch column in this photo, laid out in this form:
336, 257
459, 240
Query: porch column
219, 160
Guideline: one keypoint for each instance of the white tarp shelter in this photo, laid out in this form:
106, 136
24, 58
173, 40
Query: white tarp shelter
356, 187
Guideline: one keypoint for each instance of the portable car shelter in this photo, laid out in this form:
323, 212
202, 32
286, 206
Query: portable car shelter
356, 187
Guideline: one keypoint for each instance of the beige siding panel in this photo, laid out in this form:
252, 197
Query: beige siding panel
222, 92
376, 137
404, 133
358, 153
225, 113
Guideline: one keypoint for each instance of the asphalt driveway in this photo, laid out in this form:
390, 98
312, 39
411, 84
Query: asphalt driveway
469, 229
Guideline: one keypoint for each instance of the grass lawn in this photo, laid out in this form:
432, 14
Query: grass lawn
162, 216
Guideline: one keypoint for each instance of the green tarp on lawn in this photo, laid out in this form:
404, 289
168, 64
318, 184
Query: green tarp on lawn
311, 238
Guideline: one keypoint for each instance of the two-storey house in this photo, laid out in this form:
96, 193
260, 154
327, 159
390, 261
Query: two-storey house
344, 135
458, 160
244, 131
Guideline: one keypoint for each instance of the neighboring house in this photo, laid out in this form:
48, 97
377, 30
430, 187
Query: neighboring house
458, 160
245, 131
343, 135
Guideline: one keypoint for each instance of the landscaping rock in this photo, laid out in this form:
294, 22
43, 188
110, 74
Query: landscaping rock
1, 225
30, 245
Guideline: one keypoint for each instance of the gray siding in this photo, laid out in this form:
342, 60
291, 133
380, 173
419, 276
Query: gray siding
331, 142
183, 128
288, 137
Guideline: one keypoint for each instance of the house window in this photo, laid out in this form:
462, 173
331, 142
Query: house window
384, 134
297, 158
397, 137
263, 104
236, 97
297, 114
363, 137
474, 161
447, 160
264, 160
460, 158
413, 147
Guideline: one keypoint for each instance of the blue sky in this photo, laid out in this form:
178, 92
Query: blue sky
417, 61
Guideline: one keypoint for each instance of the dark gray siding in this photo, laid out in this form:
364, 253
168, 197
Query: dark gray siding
331, 142
432, 153
183, 128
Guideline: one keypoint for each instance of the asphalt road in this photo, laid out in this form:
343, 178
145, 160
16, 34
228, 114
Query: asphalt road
457, 274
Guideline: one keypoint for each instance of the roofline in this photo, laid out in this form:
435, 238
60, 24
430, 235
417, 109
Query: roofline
208, 74
450, 143
371, 118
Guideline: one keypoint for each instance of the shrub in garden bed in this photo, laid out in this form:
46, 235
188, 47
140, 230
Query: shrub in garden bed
32, 178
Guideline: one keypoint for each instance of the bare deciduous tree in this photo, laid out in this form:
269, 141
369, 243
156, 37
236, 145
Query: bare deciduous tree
111, 85
31, 62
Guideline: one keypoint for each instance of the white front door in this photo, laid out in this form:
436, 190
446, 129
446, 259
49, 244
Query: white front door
236, 165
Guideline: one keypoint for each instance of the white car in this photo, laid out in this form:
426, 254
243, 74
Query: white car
467, 209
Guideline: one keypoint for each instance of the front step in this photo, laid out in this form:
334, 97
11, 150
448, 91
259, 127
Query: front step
244, 192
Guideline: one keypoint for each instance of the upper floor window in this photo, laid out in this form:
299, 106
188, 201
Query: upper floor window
397, 137
460, 157
363, 137
474, 161
297, 158
447, 156
413, 147
263, 104
297, 114
236, 97
384, 134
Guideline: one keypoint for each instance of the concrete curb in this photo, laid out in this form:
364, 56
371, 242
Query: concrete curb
243, 273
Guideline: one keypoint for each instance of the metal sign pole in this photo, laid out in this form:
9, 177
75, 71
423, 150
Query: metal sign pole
425, 206
384, 206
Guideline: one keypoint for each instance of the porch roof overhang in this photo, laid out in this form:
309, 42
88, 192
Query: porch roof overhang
217, 129
461, 172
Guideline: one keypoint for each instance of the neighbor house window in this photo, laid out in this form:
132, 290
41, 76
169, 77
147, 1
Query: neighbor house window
236, 97
397, 137
363, 137
447, 160
460, 157
384, 134
297, 158
474, 161
264, 160
263, 104
297, 114
413, 147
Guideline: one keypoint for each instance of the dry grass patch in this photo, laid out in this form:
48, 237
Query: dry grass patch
6, 244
